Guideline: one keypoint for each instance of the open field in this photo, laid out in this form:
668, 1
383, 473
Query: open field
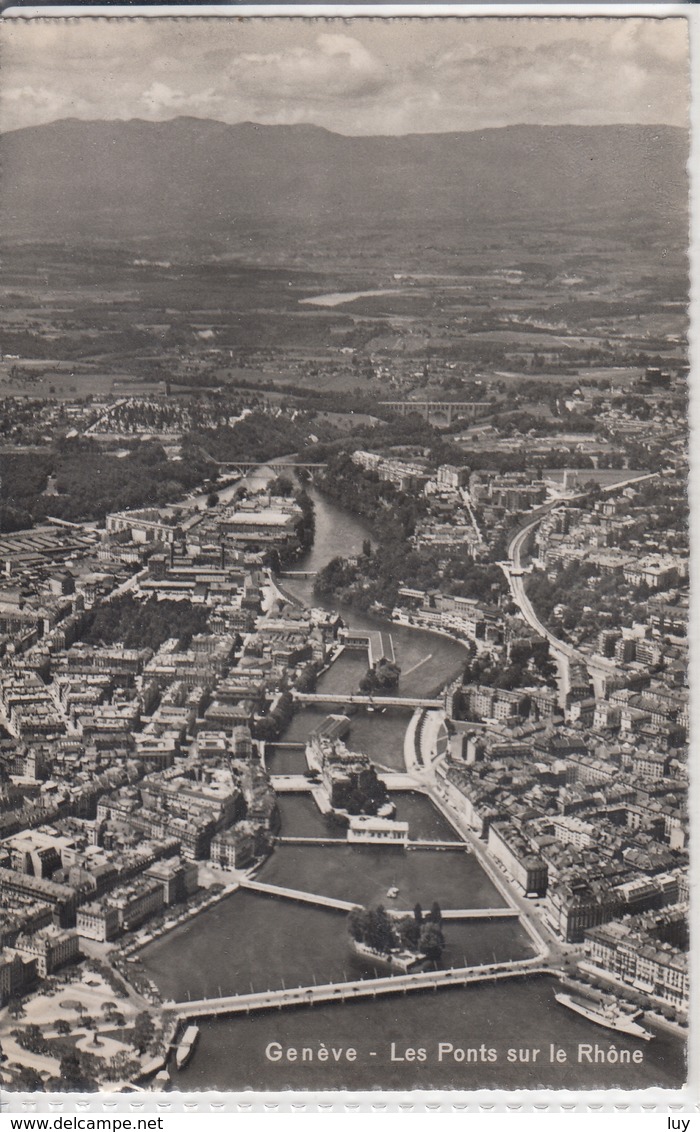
505, 303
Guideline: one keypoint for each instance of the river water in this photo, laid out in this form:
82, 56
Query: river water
248, 941
337, 298
427, 660
520, 1016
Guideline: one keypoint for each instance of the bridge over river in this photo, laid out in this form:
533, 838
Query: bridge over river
360, 988
369, 701
275, 465
299, 783
332, 902
448, 846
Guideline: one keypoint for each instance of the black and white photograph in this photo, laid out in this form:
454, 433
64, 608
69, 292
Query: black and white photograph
344, 553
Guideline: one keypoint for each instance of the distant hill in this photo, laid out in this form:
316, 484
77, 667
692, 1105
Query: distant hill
130, 179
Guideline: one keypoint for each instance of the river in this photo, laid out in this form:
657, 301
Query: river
520, 1016
249, 941
427, 660
337, 298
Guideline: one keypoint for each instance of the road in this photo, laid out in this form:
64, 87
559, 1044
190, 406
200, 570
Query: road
598, 668
562, 652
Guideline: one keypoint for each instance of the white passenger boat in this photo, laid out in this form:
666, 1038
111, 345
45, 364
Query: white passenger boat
612, 1017
186, 1046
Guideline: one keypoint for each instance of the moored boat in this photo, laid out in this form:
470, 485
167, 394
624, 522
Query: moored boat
612, 1017
186, 1046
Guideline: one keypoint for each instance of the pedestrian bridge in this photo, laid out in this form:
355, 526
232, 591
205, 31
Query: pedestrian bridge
298, 896
356, 989
332, 902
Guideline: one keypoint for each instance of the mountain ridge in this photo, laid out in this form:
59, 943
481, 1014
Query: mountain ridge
122, 177
313, 126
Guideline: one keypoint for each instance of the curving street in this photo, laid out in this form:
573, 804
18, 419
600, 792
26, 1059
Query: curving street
562, 652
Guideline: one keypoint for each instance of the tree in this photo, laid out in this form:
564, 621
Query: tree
282, 485
16, 1007
381, 934
144, 1031
358, 924
366, 548
435, 913
409, 932
212, 499
418, 913
32, 1038
374, 928
29, 1081
70, 1068
432, 941
382, 677
354, 802
63, 1026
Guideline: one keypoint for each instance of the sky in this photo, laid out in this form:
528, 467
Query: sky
353, 76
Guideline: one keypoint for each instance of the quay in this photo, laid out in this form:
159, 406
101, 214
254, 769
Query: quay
360, 988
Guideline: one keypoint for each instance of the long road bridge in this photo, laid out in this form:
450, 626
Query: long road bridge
356, 989
369, 701
299, 783
453, 846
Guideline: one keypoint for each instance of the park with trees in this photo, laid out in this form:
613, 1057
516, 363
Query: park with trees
385, 934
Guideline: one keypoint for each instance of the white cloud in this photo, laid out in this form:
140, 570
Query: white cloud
160, 98
43, 103
337, 66
355, 76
